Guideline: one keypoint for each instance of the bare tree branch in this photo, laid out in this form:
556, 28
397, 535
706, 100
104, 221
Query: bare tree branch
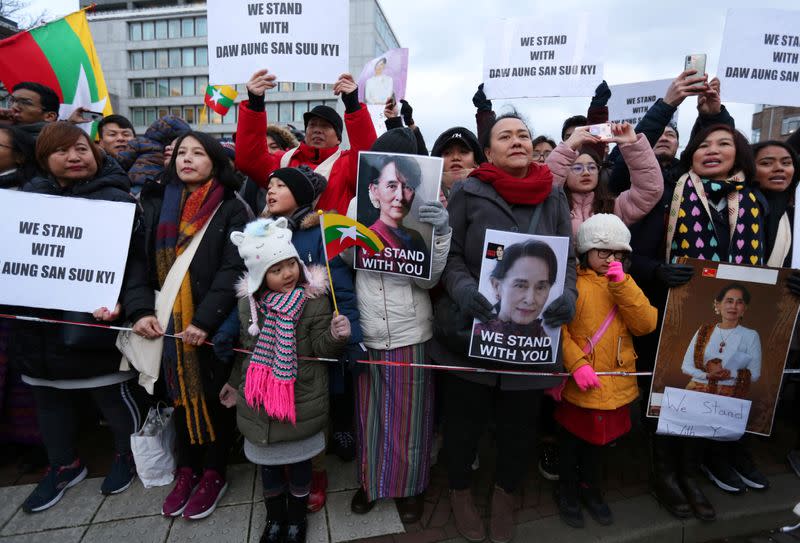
16, 11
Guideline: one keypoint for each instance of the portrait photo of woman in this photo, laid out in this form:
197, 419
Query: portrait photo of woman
724, 357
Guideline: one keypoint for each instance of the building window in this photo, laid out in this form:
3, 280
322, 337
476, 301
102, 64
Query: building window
135, 31
285, 113
149, 88
174, 58
756, 136
136, 60
174, 86
299, 109
789, 125
148, 60
200, 26
316, 86
188, 115
138, 116
314, 103
230, 116
163, 88
137, 89
187, 28
174, 28
148, 30
162, 58
188, 56
202, 83
285, 86
149, 115
161, 30
201, 54
163, 112
188, 86
301, 86
272, 112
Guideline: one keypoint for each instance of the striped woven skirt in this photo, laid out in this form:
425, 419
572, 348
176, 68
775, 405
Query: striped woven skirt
395, 425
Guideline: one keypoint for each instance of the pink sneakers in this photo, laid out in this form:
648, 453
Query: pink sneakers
209, 492
176, 501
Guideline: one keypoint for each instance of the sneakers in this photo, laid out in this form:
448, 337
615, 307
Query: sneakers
794, 460
317, 493
121, 476
592, 499
548, 462
747, 471
175, 502
50, 489
343, 445
209, 492
722, 474
569, 508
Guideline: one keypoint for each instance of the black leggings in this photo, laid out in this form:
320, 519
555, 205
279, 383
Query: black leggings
297, 477
212, 455
579, 460
468, 407
58, 421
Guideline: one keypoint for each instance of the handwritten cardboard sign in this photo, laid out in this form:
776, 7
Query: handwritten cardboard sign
304, 41
62, 253
536, 56
689, 413
759, 62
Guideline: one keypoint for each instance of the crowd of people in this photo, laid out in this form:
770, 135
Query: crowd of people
227, 232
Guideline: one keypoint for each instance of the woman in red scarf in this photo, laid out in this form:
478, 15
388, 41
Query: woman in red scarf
511, 193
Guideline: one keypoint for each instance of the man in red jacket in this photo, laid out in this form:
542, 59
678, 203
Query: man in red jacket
320, 151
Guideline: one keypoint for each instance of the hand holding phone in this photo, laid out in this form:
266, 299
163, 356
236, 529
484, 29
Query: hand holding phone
696, 62
601, 131
91, 115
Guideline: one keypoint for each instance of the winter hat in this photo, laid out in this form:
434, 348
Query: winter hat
603, 231
230, 149
396, 140
325, 113
463, 135
263, 243
304, 183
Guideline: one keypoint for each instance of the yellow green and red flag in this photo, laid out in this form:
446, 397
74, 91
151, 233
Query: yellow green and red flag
220, 98
62, 56
340, 232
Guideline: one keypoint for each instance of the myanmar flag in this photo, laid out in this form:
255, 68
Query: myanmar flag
341, 232
61, 55
220, 99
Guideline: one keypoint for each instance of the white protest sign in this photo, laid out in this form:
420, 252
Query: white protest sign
629, 102
535, 56
760, 58
62, 253
297, 41
690, 413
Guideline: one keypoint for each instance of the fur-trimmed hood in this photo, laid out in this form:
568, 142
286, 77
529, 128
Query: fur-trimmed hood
303, 219
316, 284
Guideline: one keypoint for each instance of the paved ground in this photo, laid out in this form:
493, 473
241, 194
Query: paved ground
85, 515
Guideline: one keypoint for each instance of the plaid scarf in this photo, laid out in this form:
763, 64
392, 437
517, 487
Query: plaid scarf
691, 232
183, 214
273, 366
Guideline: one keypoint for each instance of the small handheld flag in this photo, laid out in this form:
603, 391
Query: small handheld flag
340, 232
218, 99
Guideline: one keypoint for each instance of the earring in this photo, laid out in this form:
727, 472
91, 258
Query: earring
374, 202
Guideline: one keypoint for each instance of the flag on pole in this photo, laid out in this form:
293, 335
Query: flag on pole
62, 56
220, 98
341, 232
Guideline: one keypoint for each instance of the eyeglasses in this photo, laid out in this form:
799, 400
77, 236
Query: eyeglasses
538, 155
21, 102
618, 255
578, 169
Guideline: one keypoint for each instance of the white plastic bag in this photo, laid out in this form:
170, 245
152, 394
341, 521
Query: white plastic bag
153, 448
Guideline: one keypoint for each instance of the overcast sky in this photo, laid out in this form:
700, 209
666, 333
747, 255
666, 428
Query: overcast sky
647, 40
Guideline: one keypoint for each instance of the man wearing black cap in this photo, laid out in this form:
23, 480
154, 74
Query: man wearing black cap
320, 150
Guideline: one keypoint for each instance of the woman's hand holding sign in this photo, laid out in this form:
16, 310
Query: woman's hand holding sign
473, 304
103, 314
435, 214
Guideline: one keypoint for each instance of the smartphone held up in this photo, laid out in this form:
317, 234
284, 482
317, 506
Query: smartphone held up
696, 62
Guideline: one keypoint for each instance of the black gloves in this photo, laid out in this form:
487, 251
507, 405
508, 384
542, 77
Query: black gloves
601, 95
560, 311
473, 304
223, 346
406, 111
256, 103
674, 275
793, 282
350, 101
480, 100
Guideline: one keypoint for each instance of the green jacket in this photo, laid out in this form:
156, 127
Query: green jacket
311, 387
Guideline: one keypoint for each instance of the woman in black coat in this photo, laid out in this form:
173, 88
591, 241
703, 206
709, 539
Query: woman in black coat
59, 361
198, 191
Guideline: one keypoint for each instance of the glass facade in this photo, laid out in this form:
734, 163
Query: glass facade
187, 27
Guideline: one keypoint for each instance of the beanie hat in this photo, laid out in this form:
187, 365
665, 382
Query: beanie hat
303, 182
460, 134
230, 149
396, 140
325, 113
674, 126
603, 231
263, 243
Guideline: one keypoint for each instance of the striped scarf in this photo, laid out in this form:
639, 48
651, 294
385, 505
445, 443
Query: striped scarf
273, 365
690, 231
183, 214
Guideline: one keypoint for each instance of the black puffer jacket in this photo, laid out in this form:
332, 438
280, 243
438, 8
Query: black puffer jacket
214, 270
54, 351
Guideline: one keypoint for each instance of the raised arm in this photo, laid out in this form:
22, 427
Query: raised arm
252, 155
647, 184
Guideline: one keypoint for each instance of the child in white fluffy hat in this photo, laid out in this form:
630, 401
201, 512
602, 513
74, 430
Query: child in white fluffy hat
595, 410
282, 403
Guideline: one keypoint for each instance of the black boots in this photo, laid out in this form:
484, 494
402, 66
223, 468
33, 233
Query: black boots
296, 523
665, 477
691, 450
275, 529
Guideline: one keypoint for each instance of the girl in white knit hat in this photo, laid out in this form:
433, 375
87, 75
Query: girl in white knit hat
593, 410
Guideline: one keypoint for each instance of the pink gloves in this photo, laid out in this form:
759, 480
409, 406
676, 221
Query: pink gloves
556, 391
585, 377
615, 273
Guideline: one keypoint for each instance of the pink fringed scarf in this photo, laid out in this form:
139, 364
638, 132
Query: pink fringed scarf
273, 366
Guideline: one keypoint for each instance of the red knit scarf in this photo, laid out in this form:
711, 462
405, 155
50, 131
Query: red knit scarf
530, 190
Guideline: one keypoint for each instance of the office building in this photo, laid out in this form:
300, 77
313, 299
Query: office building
774, 122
